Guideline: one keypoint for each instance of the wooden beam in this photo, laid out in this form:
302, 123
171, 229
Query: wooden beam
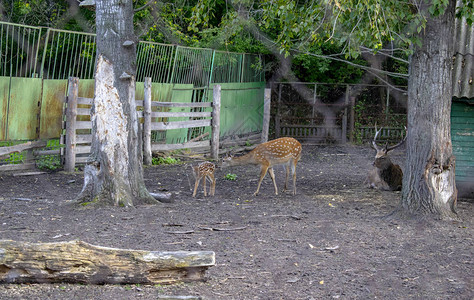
71, 123
187, 145
17, 167
216, 115
182, 104
21, 147
147, 158
181, 114
266, 115
180, 124
80, 262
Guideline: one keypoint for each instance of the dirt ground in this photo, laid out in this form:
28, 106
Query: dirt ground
330, 241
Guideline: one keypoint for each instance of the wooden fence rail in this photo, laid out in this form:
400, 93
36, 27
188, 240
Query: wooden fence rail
206, 119
78, 135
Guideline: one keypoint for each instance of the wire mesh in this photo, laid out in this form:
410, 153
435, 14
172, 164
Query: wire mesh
192, 66
18, 50
27, 51
253, 68
68, 53
154, 60
227, 67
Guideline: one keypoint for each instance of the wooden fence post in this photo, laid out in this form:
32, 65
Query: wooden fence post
266, 114
147, 157
278, 116
344, 117
352, 121
71, 115
216, 120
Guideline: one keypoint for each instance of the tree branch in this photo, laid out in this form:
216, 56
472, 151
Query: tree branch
143, 7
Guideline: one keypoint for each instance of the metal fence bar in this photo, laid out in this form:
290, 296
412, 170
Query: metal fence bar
17, 46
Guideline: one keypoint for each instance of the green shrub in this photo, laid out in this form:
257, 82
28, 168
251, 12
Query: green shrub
230, 176
165, 161
49, 162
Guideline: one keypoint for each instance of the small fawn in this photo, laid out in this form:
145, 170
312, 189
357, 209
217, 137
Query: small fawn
204, 170
282, 151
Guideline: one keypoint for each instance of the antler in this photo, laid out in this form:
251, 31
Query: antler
377, 132
400, 143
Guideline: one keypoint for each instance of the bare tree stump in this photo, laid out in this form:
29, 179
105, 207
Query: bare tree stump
80, 262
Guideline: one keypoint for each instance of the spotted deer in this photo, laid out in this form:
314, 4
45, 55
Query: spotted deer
385, 175
204, 170
283, 151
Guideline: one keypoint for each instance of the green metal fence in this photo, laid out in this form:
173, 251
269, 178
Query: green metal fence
66, 54
48, 53
19, 50
31, 109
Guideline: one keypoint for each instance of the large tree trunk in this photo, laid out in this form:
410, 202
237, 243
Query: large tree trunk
114, 173
429, 184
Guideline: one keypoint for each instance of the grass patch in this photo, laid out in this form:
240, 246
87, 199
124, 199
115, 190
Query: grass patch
165, 161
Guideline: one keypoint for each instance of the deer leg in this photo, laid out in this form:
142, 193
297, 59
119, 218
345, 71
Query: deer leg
213, 184
204, 183
263, 172
286, 178
294, 176
196, 184
272, 175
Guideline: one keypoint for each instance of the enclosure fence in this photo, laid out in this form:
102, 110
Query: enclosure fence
323, 113
36, 62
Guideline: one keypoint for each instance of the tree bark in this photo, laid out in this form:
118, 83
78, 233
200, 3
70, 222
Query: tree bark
429, 183
80, 262
114, 173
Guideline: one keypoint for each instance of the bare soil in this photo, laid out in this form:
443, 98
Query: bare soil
330, 241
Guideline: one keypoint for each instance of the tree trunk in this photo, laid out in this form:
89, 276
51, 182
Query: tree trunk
114, 173
429, 184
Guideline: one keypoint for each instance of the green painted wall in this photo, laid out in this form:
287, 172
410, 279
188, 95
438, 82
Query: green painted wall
241, 107
180, 93
462, 135
52, 105
21, 108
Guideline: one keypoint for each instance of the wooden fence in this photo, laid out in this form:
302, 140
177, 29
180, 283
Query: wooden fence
78, 137
30, 154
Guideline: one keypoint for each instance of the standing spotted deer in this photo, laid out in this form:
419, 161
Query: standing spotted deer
204, 170
385, 175
282, 151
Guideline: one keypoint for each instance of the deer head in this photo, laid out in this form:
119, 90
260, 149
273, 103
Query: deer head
385, 175
381, 158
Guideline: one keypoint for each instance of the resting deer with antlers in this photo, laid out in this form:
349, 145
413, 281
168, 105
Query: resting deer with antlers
204, 170
385, 175
282, 151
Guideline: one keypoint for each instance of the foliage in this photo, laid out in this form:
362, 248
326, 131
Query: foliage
467, 11
49, 162
15, 158
165, 160
319, 69
230, 176
49, 13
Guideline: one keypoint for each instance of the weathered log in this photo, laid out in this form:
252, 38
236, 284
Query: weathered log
4, 151
80, 262
164, 197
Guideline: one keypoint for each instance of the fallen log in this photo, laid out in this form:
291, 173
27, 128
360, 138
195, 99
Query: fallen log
164, 197
80, 262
